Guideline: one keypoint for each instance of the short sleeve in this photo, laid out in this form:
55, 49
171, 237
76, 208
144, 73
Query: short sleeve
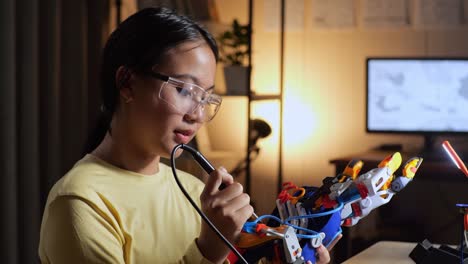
74, 232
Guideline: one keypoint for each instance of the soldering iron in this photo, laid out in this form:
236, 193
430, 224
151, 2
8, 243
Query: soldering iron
206, 165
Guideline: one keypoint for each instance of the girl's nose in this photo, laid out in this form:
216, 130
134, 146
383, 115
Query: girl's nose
198, 115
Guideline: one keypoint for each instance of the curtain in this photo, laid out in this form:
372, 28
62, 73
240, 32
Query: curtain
49, 98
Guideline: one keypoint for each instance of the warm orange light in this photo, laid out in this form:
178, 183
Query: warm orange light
299, 122
268, 111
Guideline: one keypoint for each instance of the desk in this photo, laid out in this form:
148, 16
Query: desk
425, 209
384, 252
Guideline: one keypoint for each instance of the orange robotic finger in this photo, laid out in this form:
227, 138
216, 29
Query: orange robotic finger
352, 169
411, 166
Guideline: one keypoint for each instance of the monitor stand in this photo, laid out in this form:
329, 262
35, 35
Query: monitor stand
430, 151
433, 151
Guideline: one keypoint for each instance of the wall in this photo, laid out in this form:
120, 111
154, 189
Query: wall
324, 111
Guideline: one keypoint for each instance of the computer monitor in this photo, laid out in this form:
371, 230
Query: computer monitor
426, 96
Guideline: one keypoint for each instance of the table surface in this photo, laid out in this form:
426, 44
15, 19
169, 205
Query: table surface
384, 252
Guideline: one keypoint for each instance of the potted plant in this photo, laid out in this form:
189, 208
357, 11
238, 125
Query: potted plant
233, 47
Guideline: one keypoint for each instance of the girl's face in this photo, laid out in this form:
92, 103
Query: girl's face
154, 126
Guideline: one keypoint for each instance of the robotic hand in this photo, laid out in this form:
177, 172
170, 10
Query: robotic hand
307, 217
372, 189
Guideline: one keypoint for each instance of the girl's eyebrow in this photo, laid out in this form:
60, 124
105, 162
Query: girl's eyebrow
186, 76
194, 79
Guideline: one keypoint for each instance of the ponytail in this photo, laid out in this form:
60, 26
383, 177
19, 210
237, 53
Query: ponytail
97, 134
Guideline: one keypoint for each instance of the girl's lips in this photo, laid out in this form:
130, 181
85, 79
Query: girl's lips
187, 132
183, 136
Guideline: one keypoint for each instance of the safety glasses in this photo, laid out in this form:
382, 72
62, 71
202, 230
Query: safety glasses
187, 98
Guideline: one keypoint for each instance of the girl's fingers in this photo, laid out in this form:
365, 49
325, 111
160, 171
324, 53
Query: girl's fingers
333, 243
215, 180
322, 255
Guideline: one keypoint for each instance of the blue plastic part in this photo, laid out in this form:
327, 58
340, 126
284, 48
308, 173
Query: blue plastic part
249, 227
331, 229
350, 194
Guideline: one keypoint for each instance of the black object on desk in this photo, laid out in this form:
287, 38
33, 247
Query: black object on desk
426, 253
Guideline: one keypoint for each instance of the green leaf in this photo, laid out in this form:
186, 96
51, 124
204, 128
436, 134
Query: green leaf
233, 44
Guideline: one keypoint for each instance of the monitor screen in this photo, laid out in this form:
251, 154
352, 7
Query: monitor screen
417, 95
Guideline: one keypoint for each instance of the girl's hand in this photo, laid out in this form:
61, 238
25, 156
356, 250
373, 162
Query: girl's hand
323, 255
228, 209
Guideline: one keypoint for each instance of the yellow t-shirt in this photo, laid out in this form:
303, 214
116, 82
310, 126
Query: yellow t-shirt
98, 213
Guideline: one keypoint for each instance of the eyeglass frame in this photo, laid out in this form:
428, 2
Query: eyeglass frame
168, 79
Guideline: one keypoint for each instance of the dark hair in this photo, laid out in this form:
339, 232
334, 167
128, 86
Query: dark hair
138, 43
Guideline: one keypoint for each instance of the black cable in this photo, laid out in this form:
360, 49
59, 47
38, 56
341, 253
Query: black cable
462, 247
207, 166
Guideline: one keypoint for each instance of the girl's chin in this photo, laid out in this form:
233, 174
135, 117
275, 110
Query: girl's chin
169, 149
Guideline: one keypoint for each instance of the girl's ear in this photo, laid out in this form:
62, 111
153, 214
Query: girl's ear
122, 79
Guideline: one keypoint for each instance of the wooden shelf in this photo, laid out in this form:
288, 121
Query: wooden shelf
258, 97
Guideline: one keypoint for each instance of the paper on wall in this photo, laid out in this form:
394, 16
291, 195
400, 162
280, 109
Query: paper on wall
332, 14
435, 14
385, 13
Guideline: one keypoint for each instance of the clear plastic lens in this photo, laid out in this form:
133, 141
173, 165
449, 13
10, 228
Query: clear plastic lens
187, 98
